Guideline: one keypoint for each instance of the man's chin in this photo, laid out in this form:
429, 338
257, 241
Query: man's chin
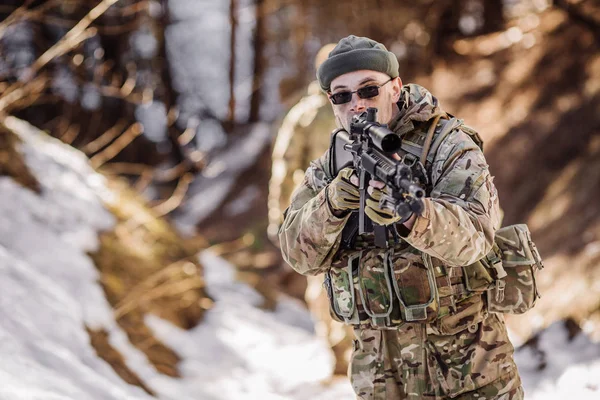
346, 124
349, 121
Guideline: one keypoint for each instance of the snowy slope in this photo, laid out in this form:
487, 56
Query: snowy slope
49, 293
48, 286
557, 367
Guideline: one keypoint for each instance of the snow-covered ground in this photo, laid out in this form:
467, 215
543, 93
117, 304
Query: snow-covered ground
49, 293
571, 366
208, 191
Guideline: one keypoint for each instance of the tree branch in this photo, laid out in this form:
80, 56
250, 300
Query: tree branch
72, 39
176, 198
579, 16
119, 144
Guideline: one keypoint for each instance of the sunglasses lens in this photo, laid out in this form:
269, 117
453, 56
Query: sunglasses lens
368, 92
341, 98
364, 93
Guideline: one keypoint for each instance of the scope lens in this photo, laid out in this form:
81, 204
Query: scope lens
390, 143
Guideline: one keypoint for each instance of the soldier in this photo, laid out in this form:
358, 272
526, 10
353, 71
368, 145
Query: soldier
421, 321
300, 140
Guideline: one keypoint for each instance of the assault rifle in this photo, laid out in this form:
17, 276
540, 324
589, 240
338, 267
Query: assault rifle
369, 148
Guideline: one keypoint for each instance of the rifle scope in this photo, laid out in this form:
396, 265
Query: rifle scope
382, 137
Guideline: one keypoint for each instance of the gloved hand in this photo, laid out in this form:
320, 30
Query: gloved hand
342, 193
382, 216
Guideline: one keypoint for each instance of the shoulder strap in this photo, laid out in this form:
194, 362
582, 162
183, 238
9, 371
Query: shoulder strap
448, 127
426, 149
425, 145
428, 139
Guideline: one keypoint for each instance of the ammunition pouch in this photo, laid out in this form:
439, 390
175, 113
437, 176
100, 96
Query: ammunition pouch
515, 290
507, 273
415, 286
386, 288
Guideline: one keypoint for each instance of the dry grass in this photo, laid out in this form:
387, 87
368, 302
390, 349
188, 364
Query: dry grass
146, 266
12, 163
106, 352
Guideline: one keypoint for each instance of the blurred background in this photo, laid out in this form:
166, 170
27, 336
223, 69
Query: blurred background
201, 115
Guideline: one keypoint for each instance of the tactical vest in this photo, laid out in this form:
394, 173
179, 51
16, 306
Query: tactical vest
385, 288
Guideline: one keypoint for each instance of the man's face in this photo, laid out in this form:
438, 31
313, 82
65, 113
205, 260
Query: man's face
385, 101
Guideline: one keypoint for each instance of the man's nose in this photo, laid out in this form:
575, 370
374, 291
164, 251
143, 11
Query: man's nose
358, 104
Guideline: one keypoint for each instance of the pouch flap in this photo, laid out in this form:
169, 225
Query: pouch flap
515, 243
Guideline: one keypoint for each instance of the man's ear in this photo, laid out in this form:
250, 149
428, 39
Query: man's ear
396, 88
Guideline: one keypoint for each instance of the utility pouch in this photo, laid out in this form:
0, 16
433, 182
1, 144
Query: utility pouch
479, 276
375, 286
329, 291
515, 291
414, 286
339, 284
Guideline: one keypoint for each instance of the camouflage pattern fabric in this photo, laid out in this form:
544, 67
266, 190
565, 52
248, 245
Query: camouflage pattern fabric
516, 291
414, 363
465, 352
458, 222
303, 137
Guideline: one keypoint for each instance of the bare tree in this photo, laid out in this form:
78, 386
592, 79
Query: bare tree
232, 58
259, 61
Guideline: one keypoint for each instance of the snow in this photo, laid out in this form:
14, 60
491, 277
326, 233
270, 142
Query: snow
265, 357
243, 202
244, 58
48, 283
197, 44
210, 135
153, 117
50, 293
144, 43
18, 53
209, 190
64, 85
90, 97
559, 367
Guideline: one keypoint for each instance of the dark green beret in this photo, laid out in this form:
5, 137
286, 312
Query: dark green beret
354, 53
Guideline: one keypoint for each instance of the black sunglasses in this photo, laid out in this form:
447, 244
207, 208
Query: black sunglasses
366, 92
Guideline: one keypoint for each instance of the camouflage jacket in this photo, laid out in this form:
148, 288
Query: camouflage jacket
459, 219
456, 346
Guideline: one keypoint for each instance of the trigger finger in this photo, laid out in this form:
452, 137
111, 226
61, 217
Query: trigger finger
376, 184
373, 193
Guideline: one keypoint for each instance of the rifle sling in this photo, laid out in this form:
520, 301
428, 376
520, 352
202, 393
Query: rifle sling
448, 127
428, 139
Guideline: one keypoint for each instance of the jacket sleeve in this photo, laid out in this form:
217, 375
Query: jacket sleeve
461, 217
310, 234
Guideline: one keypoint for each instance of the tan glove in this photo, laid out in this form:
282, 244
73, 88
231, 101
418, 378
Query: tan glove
381, 216
342, 193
